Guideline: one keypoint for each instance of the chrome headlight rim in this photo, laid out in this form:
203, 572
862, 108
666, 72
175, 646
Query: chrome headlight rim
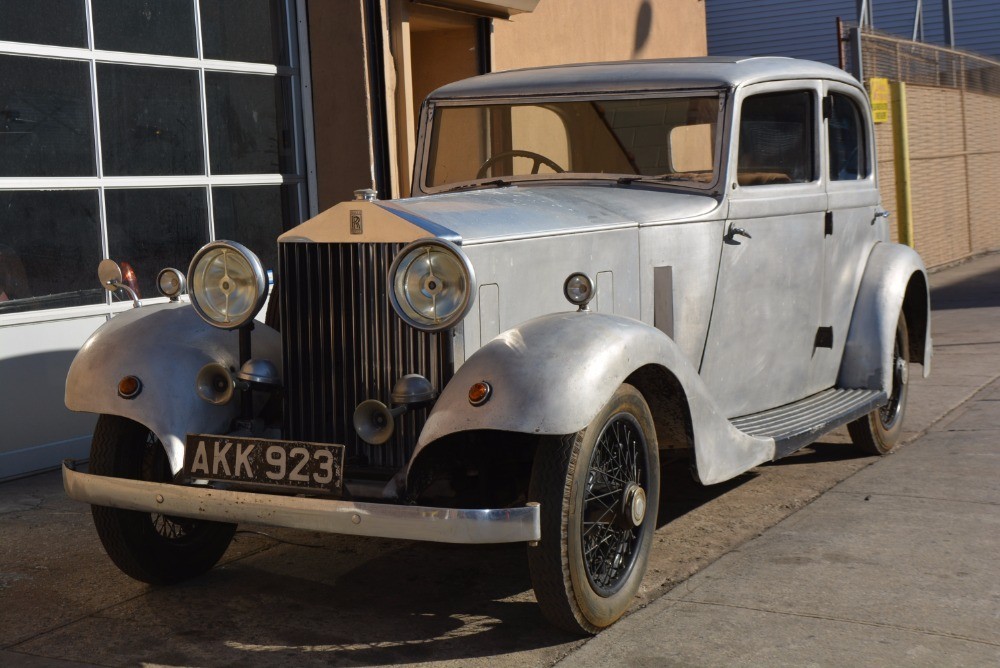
259, 283
408, 315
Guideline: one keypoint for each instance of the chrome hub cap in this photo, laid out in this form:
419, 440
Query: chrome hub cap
633, 505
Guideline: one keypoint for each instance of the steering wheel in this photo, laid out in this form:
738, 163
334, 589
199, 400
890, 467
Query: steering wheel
538, 159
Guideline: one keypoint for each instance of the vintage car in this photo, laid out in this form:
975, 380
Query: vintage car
601, 266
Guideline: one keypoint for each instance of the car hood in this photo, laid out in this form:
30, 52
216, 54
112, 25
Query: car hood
512, 212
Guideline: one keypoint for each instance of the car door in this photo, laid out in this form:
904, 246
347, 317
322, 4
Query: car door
850, 230
763, 330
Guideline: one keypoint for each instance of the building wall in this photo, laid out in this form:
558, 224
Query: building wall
799, 29
788, 28
341, 127
954, 138
977, 24
570, 31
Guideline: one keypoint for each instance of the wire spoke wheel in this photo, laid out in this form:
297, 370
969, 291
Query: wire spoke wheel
878, 432
150, 547
598, 489
890, 412
609, 541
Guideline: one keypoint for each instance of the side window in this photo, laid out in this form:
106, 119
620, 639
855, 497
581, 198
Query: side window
776, 139
845, 130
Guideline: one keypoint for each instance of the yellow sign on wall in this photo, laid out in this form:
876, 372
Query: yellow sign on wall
878, 91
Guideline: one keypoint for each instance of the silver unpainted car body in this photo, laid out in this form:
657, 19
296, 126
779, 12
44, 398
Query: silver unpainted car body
712, 325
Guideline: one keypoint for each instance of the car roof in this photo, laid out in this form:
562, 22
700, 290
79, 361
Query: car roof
639, 75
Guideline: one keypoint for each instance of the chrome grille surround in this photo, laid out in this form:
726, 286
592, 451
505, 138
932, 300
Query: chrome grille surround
342, 344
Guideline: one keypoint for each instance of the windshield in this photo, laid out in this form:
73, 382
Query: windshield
670, 138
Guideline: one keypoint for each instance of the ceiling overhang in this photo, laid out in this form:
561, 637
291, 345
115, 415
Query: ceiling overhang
498, 9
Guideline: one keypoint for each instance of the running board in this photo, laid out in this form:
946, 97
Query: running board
795, 425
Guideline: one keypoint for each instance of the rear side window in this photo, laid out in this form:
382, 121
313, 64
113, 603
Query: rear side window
777, 139
845, 130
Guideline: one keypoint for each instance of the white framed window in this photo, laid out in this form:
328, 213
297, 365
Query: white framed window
140, 130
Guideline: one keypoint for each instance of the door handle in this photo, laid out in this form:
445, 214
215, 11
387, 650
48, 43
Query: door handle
737, 231
880, 213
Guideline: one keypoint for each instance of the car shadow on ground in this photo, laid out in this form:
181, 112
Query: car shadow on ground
681, 493
321, 599
975, 291
822, 452
415, 602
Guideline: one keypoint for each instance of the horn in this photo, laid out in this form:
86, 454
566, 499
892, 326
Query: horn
375, 422
215, 384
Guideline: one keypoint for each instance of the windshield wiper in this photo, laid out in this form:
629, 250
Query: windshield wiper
499, 183
626, 180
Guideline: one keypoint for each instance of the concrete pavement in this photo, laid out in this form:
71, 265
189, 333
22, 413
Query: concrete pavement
896, 566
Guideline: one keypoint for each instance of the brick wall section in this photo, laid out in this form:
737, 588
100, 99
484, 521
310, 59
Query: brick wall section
937, 164
982, 132
955, 172
887, 172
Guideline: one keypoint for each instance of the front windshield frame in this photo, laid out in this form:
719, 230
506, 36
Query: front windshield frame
430, 107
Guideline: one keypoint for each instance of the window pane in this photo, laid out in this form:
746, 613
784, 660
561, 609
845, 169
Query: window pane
251, 31
56, 22
163, 27
255, 216
150, 121
672, 138
248, 123
847, 146
50, 245
46, 118
153, 228
776, 139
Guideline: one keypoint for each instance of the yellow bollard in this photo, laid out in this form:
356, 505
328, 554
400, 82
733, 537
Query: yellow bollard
901, 158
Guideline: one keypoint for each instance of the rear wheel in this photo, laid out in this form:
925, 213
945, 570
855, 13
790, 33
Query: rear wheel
150, 547
599, 490
879, 431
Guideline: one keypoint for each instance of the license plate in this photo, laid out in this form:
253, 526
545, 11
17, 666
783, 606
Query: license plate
266, 463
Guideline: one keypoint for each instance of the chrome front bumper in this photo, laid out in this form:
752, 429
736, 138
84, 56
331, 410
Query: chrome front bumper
443, 525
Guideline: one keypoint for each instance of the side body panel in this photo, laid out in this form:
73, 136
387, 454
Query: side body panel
165, 346
761, 341
680, 264
523, 279
551, 376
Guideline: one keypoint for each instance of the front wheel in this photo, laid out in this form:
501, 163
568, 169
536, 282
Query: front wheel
878, 432
599, 490
150, 547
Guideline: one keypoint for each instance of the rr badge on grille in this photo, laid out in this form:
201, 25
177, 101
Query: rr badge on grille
357, 226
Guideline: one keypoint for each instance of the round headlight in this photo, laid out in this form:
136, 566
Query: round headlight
578, 289
432, 284
171, 282
227, 282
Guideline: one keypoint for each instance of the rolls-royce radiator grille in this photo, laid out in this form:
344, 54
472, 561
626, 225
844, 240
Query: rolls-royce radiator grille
343, 344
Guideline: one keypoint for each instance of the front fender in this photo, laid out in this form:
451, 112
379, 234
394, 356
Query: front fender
164, 346
551, 376
887, 287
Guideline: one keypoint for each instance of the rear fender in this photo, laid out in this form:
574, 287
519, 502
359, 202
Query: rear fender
894, 281
165, 346
551, 375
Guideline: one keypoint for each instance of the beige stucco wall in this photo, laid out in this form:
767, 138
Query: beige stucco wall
572, 31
